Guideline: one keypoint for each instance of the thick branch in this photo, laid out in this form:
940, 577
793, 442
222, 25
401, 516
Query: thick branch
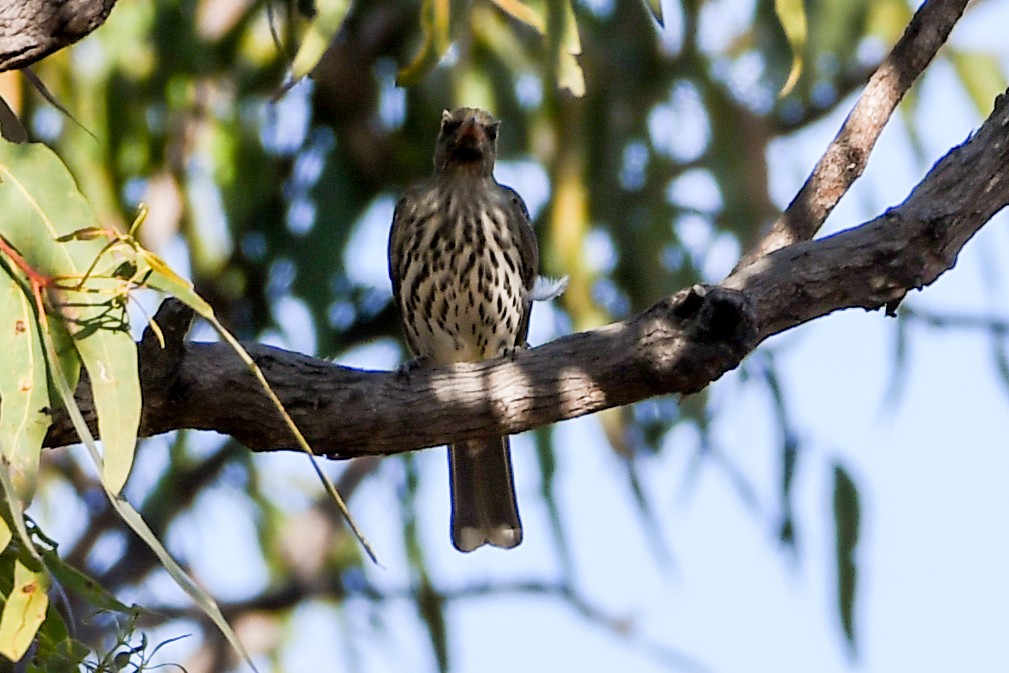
677, 346
33, 29
846, 157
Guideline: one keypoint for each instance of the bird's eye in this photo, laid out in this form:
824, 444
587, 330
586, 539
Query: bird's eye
450, 127
491, 132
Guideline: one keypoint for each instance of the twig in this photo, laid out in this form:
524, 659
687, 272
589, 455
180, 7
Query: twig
846, 157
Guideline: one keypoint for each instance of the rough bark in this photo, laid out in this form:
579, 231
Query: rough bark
33, 29
679, 345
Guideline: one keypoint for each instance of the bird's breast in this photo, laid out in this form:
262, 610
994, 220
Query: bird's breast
461, 287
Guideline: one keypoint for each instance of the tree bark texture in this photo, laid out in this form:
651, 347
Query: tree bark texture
33, 29
679, 345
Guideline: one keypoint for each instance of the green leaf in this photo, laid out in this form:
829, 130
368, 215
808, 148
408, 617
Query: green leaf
431, 606
41, 203
792, 16
5, 534
82, 585
655, 7
524, 13
569, 70
24, 387
847, 520
982, 76
434, 22
320, 35
23, 612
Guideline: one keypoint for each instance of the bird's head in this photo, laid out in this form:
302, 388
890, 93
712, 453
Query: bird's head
467, 142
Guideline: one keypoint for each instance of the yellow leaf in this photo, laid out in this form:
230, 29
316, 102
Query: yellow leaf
792, 16
24, 611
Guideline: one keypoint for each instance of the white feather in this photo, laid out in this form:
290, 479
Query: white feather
546, 288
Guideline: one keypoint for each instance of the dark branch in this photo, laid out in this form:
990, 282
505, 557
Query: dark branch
33, 29
846, 157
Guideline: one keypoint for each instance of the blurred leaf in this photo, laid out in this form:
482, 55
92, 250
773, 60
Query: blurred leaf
42, 203
434, 21
789, 459
982, 76
847, 519
547, 462
899, 374
522, 12
23, 612
792, 15
651, 524
5, 534
655, 7
321, 33
10, 126
569, 70
431, 606
24, 387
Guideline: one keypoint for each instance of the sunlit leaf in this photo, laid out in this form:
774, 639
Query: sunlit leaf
569, 70
321, 32
792, 15
24, 387
41, 203
847, 521
23, 612
520, 11
5, 534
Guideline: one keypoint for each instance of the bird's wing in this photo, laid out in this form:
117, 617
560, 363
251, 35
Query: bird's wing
529, 256
528, 247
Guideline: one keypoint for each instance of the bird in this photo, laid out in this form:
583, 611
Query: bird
463, 261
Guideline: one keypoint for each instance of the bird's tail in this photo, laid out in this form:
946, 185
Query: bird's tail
484, 510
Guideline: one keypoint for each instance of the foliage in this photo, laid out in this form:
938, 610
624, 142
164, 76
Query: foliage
641, 151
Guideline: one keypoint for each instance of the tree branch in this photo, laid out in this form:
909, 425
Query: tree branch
679, 345
846, 157
33, 29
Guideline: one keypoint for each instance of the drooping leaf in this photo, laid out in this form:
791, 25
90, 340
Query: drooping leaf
24, 387
792, 16
569, 70
847, 522
547, 462
321, 32
23, 612
431, 606
435, 23
41, 203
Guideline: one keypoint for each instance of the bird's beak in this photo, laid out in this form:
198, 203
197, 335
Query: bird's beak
470, 128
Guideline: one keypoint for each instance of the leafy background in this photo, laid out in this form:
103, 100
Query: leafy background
681, 530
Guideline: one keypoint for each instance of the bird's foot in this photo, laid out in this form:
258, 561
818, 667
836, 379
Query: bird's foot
404, 370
